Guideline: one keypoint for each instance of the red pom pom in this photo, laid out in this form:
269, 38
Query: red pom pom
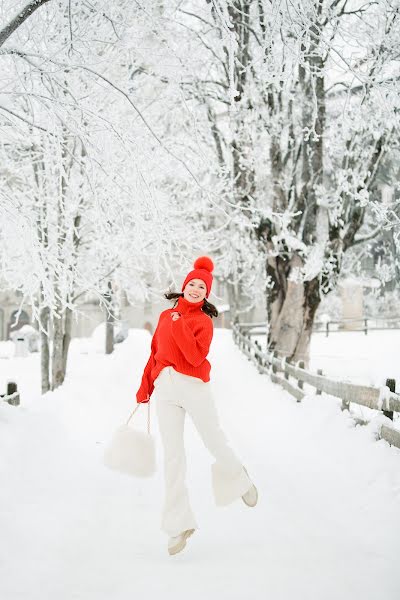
204, 262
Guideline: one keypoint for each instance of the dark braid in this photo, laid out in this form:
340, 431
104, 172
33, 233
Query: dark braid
207, 307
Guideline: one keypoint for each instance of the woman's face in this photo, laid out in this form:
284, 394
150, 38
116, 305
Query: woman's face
195, 290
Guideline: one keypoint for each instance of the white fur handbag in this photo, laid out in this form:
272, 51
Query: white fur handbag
132, 451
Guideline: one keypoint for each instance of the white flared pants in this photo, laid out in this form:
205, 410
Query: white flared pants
176, 394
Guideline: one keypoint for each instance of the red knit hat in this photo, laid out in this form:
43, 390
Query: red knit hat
203, 266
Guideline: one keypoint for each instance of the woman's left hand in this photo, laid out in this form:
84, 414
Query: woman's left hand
175, 316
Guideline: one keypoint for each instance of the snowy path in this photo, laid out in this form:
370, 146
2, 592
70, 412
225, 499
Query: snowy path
327, 525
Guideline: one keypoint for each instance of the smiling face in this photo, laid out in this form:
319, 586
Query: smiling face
195, 290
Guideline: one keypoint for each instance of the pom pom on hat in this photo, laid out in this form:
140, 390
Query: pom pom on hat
204, 262
203, 267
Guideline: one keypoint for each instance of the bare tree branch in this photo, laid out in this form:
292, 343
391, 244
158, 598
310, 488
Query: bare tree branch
22, 16
30, 123
369, 236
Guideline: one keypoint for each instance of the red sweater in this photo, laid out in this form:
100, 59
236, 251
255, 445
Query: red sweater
182, 344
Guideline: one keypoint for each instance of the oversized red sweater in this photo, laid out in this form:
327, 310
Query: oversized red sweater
182, 344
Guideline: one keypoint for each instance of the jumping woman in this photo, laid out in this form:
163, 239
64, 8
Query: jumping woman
178, 373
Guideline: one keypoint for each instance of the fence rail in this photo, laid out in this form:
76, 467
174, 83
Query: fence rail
365, 324
280, 371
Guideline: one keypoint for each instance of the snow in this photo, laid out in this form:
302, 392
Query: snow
223, 308
363, 359
352, 355
367, 282
327, 524
384, 397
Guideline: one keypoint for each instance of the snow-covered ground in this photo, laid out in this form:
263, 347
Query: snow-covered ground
327, 525
365, 359
353, 356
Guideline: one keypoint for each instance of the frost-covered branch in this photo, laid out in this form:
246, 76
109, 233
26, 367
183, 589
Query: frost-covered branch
24, 120
19, 19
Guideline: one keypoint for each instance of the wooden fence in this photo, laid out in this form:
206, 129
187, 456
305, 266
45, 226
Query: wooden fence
293, 377
365, 324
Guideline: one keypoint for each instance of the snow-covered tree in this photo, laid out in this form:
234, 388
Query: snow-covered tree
301, 103
82, 167
255, 131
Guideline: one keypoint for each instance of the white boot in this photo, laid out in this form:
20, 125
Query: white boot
178, 542
251, 496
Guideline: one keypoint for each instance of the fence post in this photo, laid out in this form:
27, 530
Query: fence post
240, 340
301, 366
327, 329
285, 371
391, 384
319, 372
235, 329
345, 404
12, 389
258, 357
274, 355
365, 326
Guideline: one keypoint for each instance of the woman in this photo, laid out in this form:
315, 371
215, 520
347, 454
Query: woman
179, 372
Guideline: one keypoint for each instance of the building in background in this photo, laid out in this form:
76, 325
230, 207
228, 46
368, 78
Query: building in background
90, 314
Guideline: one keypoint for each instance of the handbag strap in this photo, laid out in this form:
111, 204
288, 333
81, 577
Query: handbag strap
148, 415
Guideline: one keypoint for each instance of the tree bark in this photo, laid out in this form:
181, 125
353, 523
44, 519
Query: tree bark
291, 300
66, 340
57, 371
17, 21
44, 349
291, 326
312, 300
109, 333
286, 329
110, 318
58, 361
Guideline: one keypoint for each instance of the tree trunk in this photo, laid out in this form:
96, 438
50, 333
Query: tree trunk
109, 333
311, 303
44, 349
241, 145
291, 323
232, 300
286, 328
57, 371
292, 301
276, 274
58, 362
110, 318
66, 339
